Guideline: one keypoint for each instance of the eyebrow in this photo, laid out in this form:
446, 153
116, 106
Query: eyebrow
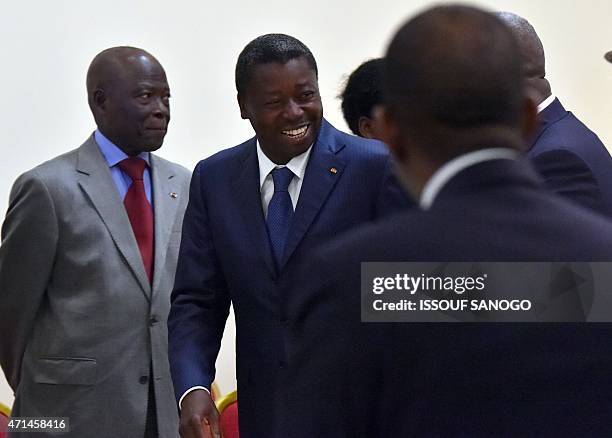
151, 84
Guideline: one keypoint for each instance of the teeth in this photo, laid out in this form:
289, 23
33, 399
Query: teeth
295, 133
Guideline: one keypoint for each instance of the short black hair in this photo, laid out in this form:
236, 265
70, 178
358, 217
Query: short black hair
363, 90
272, 47
468, 74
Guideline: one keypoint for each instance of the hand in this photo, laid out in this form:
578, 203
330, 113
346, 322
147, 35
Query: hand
199, 416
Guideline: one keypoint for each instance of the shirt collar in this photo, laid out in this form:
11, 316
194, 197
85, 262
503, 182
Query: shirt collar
297, 164
545, 103
112, 154
445, 173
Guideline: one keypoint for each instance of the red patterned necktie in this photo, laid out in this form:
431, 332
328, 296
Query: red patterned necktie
139, 210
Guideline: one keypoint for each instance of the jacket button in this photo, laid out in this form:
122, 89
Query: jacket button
153, 320
282, 364
143, 379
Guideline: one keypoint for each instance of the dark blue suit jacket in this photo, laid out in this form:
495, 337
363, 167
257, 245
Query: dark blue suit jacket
572, 160
453, 379
225, 256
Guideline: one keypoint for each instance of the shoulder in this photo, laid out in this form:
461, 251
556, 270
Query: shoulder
364, 156
51, 173
44, 184
354, 146
568, 133
179, 170
232, 156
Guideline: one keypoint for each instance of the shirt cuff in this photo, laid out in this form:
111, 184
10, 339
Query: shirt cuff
193, 388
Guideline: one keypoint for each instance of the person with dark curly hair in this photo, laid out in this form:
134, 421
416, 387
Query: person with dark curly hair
362, 93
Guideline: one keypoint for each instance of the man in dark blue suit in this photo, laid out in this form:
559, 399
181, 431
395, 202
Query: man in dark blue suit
570, 157
255, 211
455, 118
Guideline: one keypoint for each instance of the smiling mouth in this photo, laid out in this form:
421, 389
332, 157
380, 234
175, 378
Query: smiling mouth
296, 133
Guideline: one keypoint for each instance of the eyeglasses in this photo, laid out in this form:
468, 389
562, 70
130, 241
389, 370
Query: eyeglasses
608, 56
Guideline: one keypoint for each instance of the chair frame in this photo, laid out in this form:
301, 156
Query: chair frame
226, 400
215, 392
5, 410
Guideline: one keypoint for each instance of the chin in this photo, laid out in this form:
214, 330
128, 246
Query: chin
300, 149
151, 147
294, 149
152, 143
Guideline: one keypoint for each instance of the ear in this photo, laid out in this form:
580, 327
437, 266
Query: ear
389, 130
244, 113
99, 99
364, 126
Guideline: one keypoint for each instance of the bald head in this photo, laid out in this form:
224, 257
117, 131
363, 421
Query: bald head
532, 54
112, 65
455, 66
453, 85
129, 97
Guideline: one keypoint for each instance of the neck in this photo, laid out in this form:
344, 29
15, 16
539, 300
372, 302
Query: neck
419, 163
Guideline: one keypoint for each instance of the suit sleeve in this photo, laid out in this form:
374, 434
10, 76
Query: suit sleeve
200, 300
391, 197
29, 242
568, 175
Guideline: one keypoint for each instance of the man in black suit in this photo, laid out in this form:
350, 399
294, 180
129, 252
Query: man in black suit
570, 157
455, 118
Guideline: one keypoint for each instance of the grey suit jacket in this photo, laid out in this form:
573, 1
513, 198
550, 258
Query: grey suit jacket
80, 324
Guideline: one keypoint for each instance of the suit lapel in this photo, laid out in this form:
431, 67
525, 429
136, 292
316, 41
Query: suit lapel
96, 181
323, 171
165, 207
547, 117
248, 198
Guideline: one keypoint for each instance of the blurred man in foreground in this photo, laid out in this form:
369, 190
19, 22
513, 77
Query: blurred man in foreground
456, 116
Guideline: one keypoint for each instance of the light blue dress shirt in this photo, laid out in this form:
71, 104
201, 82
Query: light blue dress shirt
113, 156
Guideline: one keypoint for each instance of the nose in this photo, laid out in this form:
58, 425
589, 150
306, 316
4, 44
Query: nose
161, 109
293, 110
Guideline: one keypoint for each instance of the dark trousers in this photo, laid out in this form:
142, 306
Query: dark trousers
151, 424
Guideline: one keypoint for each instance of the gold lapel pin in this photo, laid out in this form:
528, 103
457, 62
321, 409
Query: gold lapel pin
173, 195
333, 170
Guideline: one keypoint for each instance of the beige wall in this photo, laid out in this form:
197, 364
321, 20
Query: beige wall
46, 49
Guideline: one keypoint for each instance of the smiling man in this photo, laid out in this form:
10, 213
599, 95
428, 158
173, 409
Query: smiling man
87, 263
255, 211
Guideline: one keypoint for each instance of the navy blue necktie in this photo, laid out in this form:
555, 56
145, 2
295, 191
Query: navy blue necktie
280, 212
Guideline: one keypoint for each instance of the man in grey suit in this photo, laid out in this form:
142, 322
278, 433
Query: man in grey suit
87, 262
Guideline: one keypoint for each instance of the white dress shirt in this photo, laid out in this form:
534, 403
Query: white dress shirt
446, 172
297, 165
545, 103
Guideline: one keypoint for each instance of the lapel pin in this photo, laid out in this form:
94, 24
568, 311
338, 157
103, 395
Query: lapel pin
333, 170
173, 195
